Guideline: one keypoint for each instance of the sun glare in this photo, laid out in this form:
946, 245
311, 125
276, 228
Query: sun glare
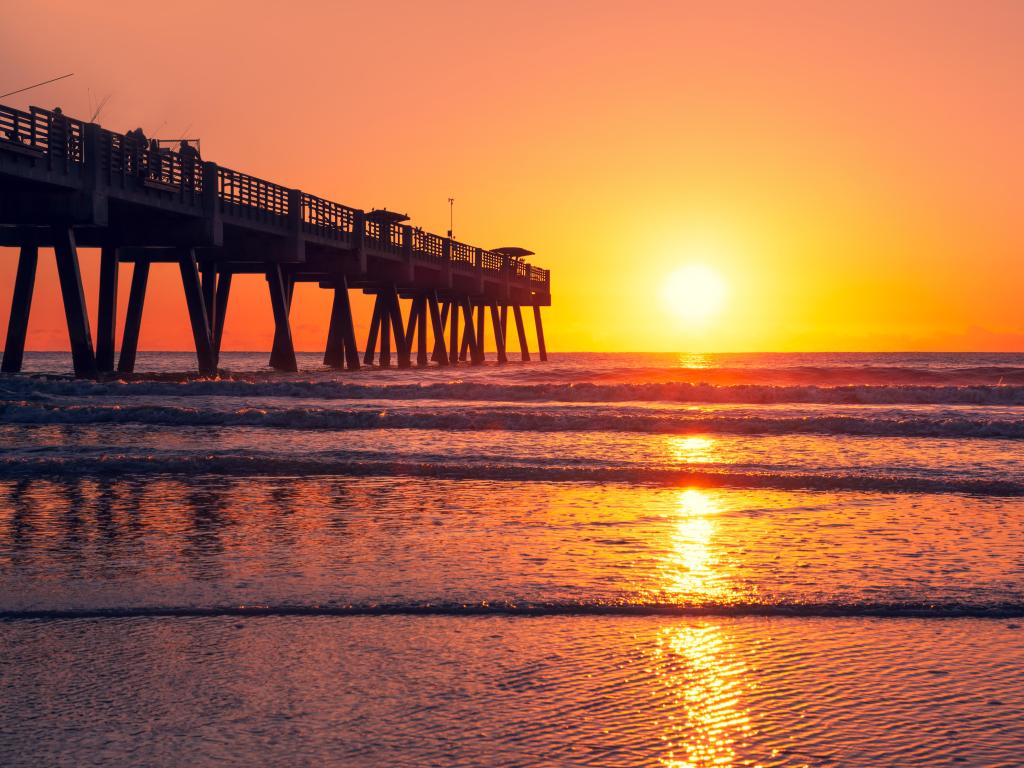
695, 293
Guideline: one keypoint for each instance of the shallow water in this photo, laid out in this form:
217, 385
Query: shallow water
605, 560
397, 690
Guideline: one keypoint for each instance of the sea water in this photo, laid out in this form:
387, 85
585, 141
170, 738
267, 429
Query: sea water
681, 560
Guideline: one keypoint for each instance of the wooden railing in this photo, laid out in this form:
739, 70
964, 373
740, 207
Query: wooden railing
43, 133
327, 219
538, 275
124, 156
60, 142
462, 253
252, 198
427, 246
492, 262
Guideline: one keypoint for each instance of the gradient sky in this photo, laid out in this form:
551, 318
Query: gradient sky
854, 171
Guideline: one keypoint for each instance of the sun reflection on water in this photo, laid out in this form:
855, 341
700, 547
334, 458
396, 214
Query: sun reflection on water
692, 449
691, 567
694, 360
702, 684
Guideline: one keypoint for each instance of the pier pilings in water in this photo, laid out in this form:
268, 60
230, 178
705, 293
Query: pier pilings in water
66, 184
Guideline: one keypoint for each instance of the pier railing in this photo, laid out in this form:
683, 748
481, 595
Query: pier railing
328, 219
43, 133
251, 198
125, 161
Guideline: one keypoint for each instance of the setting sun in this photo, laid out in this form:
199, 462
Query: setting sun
695, 293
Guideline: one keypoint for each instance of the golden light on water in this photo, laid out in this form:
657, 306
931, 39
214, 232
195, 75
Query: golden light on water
692, 449
690, 569
704, 683
694, 360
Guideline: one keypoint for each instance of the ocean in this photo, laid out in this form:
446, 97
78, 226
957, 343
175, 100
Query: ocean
604, 559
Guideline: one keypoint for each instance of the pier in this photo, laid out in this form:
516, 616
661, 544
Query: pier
66, 184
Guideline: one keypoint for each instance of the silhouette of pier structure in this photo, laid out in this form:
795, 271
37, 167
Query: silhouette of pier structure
66, 184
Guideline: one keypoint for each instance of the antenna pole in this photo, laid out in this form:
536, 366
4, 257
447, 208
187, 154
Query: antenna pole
451, 216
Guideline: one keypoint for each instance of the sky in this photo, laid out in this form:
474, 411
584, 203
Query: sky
852, 172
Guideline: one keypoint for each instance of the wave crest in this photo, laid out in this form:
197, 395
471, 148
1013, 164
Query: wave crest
37, 388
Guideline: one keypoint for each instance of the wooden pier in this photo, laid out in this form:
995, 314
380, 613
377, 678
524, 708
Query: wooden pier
66, 184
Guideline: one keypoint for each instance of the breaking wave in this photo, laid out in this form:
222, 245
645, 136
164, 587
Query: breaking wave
30, 388
916, 610
348, 464
518, 419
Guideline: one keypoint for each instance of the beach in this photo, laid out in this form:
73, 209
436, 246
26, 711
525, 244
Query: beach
630, 559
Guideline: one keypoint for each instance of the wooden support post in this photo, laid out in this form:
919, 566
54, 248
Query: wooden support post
348, 330
480, 328
464, 348
420, 311
499, 334
82, 355
133, 320
220, 311
106, 327
504, 321
334, 350
439, 349
282, 353
401, 340
197, 311
523, 347
385, 332
410, 327
285, 359
440, 354
371, 339
540, 333
209, 275
21, 304
341, 335
475, 353
453, 334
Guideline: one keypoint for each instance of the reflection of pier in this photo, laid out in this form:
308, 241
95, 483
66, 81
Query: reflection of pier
65, 183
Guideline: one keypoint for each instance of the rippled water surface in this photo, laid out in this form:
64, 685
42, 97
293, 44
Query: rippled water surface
601, 560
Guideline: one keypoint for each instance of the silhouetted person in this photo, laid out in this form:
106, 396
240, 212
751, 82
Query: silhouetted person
57, 137
189, 159
136, 145
155, 160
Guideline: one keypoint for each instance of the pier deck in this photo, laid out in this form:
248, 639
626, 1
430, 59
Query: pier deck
65, 184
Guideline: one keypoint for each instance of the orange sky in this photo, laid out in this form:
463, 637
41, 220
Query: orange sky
855, 173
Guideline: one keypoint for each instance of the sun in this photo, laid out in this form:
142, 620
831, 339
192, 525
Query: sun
695, 293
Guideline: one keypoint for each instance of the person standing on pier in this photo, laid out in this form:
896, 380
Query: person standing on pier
136, 146
57, 136
189, 160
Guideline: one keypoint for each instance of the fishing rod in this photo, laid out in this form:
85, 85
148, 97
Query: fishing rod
29, 88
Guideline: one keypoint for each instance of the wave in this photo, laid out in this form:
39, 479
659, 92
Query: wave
270, 465
40, 388
533, 420
987, 375
905, 610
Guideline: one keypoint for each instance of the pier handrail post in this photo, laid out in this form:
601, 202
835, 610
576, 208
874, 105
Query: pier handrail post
359, 239
212, 213
296, 248
479, 264
407, 250
446, 268
94, 182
